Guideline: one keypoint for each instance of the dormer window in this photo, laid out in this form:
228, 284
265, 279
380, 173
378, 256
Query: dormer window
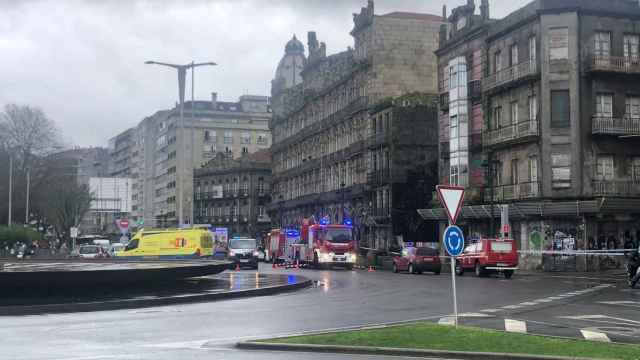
462, 22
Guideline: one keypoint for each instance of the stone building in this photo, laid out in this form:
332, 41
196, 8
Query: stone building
153, 152
321, 120
560, 118
234, 193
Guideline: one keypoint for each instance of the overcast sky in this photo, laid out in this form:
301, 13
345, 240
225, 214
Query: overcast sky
82, 61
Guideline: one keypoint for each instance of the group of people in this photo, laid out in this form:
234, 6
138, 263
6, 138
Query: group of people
612, 243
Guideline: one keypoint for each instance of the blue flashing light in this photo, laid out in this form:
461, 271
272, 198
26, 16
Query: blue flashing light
293, 233
324, 221
348, 222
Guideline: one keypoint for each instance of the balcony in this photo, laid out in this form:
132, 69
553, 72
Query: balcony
608, 125
263, 192
263, 219
444, 101
522, 191
510, 134
614, 64
474, 89
377, 139
623, 187
379, 177
510, 75
381, 213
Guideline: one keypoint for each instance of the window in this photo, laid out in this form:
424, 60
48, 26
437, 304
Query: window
514, 112
631, 48
209, 148
245, 138
532, 49
498, 174
533, 108
260, 211
635, 169
560, 109
602, 44
210, 135
514, 55
228, 149
604, 105
245, 150
515, 179
604, 167
632, 106
559, 43
228, 137
561, 170
462, 22
262, 139
497, 117
497, 61
533, 169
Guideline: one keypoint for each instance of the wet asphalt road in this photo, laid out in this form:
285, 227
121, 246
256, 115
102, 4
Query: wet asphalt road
340, 299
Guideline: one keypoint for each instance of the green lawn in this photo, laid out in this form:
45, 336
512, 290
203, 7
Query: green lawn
439, 337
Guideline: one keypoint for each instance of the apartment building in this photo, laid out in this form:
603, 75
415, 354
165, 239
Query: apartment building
558, 115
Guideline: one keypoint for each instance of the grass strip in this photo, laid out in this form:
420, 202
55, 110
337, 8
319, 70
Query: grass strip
425, 335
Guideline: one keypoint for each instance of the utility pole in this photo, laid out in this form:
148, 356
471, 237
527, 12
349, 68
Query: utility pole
26, 212
10, 186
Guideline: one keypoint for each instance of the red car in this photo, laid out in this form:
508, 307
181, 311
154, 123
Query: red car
416, 260
489, 255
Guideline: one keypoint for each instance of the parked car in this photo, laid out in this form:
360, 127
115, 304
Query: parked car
487, 256
92, 252
416, 260
115, 248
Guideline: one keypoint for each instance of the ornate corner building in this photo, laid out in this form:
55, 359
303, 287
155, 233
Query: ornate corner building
353, 128
539, 121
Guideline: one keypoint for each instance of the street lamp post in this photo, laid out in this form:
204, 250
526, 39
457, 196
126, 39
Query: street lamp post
10, 187
342, 187
182, 72
281, 198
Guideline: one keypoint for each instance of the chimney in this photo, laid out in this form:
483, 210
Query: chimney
484, 9
444, 11
214, 100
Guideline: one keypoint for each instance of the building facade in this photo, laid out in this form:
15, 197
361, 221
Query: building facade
559, 103
160, 157
234, 193
322, 120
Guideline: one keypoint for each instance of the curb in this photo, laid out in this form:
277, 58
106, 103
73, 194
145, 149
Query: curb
371, 350
16, 310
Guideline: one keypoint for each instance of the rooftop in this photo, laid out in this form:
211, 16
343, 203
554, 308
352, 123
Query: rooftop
410, 15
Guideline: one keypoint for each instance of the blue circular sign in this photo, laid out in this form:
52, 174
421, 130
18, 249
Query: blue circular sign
453, 240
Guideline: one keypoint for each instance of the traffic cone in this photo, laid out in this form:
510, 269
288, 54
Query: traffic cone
371, 269
237, 267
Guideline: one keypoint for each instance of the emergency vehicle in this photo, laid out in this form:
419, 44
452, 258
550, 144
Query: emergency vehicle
320, 245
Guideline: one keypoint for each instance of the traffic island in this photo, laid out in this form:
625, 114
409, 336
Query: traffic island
430, 340
74, 286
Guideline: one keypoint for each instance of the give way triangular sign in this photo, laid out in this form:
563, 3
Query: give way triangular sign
451, 200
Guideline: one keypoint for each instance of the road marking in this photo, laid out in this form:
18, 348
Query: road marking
516, 326
472, 314
635, 304
492, 310
529, 303
603, 319
512, 307
594, 336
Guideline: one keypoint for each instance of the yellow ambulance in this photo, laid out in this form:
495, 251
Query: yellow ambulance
193, 243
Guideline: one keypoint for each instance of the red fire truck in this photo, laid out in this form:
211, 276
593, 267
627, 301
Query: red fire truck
320, 245
279, 244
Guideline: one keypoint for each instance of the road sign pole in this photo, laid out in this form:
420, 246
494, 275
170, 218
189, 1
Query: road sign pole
453, 289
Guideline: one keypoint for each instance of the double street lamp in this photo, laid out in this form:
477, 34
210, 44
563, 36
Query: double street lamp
182, 72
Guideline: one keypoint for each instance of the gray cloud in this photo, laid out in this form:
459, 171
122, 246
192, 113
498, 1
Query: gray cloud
82, 61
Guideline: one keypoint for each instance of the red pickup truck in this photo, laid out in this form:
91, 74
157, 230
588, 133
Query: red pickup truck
489, 255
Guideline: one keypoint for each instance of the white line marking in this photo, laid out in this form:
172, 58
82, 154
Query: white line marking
515, 326
529, 303
635, 304
595, 336
512, 307
492, 310
603, 319
472, 314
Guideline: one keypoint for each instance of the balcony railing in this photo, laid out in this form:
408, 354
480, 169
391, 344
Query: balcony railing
520, 191
511, 133
510, 74
609, 125
381, 212
619, 64
624, 187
